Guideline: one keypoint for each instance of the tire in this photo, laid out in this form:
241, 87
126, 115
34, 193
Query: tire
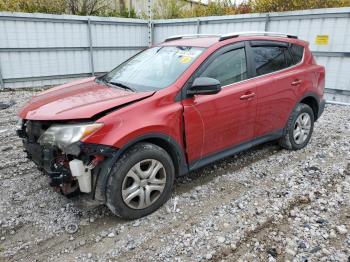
290, 140
129, 175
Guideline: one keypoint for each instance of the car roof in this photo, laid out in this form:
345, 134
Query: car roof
206, 41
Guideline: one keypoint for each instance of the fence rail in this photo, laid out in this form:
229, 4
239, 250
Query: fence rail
38, 49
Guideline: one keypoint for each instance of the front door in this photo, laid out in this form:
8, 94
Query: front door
214, 123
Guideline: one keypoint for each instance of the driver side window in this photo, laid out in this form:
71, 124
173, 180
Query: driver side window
228, 68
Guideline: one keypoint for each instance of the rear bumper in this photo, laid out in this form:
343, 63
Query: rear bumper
321, 107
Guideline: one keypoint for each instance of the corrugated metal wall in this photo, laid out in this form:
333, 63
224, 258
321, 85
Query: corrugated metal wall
37, 49
307, 24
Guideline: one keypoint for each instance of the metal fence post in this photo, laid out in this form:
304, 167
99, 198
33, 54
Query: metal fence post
150, 23
267, 21
91, 51
2, 84
198, 26
150, 33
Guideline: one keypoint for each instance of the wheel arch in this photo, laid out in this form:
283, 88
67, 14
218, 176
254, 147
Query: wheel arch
168, 143
170, 146
311, 99
312, 102
164, 141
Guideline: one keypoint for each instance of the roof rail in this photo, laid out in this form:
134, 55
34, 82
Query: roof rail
229, 35
176, 37
237, 34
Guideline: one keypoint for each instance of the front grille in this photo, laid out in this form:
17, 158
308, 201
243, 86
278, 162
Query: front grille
47, 158
34, 129
30, 133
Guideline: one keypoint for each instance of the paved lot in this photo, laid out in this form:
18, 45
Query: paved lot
265, 204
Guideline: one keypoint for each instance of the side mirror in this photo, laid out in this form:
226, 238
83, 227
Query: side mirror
204, 86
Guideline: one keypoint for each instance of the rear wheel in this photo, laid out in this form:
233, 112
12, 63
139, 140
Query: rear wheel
299, 128
140, 181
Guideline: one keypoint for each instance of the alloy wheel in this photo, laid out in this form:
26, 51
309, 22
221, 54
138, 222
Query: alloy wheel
302, 128
143, 184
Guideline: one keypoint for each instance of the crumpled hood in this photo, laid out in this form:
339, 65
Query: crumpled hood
80, 99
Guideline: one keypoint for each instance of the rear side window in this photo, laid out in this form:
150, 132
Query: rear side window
269, 59
288, 57
297, 52
228, 68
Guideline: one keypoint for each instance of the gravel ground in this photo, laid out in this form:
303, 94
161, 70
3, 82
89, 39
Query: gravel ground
265, 204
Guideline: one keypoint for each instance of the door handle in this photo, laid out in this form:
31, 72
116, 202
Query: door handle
247, 96
296, 82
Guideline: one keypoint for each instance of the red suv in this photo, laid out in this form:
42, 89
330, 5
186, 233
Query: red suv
175, 107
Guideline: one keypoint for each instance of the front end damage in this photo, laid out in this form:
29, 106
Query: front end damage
71, 167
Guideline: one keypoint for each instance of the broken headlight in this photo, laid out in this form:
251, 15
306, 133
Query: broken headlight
64, 136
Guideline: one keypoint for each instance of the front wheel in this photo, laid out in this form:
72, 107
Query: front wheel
299, 128
140, 181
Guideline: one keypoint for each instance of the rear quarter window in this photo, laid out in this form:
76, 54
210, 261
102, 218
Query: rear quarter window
297, 53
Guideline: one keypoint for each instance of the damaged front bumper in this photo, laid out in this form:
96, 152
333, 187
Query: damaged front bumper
67, 173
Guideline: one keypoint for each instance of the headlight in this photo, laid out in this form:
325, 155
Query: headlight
65, 135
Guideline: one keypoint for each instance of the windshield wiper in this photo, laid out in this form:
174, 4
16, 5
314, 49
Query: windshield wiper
111, 83
121, 85
99, 80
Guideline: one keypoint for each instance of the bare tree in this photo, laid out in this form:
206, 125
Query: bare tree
122, 5
86, 7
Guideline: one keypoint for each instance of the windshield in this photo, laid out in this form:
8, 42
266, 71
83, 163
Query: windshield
153, 69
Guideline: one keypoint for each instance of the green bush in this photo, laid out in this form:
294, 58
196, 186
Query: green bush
32, 6
165, 8
283, 5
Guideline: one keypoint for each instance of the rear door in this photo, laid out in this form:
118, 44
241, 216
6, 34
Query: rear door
217, 122
276, 81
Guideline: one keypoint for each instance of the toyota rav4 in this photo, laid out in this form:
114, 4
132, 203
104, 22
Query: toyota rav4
123, 137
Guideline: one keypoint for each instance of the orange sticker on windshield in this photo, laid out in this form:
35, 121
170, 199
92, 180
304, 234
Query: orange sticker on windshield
185, 59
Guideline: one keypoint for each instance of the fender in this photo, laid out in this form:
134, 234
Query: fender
176, 153
313, 95
318, 101
308, 94
180, 155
